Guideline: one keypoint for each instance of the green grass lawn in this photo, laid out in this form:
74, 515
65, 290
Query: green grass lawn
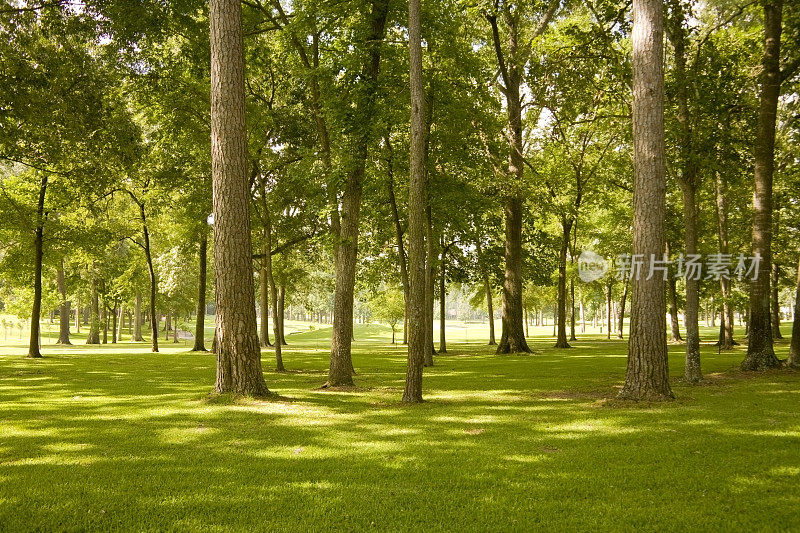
115, 437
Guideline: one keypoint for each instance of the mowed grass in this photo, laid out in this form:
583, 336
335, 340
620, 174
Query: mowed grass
115, 437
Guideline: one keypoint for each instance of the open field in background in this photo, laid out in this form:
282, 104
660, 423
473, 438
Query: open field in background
117, 437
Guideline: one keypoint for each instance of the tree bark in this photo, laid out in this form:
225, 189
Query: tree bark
114, 325
647, 375
63, 311
238, 353
121, 323
200, 323
152, 273
38, 251
760, 351
417, 198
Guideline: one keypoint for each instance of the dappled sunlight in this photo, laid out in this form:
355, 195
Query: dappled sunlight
503, 429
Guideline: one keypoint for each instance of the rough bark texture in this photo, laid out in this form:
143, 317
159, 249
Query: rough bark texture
417, 196
238, 353
675, 330
200, 323
63, 310
760, 351
38, 251
647, 375
794, 351
346, 229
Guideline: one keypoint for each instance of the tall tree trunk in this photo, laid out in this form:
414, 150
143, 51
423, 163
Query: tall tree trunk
726, 341
38, 251
345, 228
687, 178
200, 324
775, 306
417, 198
63, 311
760, 351
94, 316
512, 339
566, 232
238, 353
794, 350
647, 375
490, 310
167, 324
137, 319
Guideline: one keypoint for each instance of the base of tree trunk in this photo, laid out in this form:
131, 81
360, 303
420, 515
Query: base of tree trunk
508, 347
562, 344
760, 361
491, 343
64, 343
647, 395
34, 356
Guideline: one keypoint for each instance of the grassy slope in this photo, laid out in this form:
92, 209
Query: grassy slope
116, 437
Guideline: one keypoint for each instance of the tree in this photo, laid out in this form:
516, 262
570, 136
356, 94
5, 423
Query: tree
510, 63
760, 351
417, 341
647, 375
388, 306
238, 352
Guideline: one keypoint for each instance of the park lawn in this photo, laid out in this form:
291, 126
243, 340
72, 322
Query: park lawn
115, 437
